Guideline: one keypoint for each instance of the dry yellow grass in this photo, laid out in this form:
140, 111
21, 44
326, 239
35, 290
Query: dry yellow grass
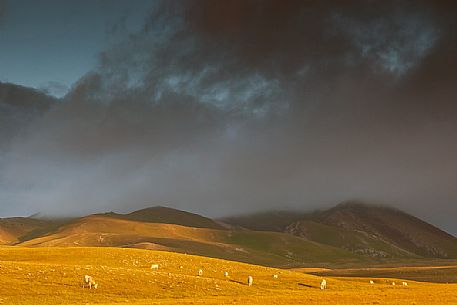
54, 276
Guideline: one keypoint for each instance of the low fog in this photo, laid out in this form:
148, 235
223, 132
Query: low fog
230, 107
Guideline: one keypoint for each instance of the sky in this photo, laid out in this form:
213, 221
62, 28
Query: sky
50, 44
228, 107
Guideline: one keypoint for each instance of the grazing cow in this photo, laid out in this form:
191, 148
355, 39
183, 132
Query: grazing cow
88, 282
250, 280
371, 282
200, 272
154, 267
323, 284
404, 283
275, 276
226, 274
393, 283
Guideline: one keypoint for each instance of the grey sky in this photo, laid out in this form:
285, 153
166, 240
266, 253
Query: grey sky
229, 107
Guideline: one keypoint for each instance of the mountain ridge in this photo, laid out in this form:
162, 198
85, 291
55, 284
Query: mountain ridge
346, 232
265, 248
373, 230
161, 214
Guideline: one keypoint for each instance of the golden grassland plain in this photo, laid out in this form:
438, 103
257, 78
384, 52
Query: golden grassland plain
54, 276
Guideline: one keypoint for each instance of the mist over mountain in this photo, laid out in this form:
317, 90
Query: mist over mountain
243, 106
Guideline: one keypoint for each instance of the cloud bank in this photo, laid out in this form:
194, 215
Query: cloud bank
238, 106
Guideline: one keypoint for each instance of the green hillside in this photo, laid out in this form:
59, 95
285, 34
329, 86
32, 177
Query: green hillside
265, 221
354, 241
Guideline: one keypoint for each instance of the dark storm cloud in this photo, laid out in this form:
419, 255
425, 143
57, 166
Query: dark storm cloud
225, 107
18, 106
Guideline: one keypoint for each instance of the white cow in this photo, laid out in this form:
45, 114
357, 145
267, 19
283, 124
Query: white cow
226, 274
275, 276
404, 283
88, 282
393, 283
323, 284
371, 282
200, 272
250, 280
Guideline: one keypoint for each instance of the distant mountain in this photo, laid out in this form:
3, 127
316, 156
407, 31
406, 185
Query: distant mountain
265, 248
374, 231
392, 226
350, 232
18, 229
161, 214
356, 241
265, 221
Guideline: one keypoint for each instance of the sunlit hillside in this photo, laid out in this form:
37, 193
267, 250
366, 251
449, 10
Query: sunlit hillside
265, 248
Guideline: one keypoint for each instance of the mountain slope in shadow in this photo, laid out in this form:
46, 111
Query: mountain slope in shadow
161, 214
370, 230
